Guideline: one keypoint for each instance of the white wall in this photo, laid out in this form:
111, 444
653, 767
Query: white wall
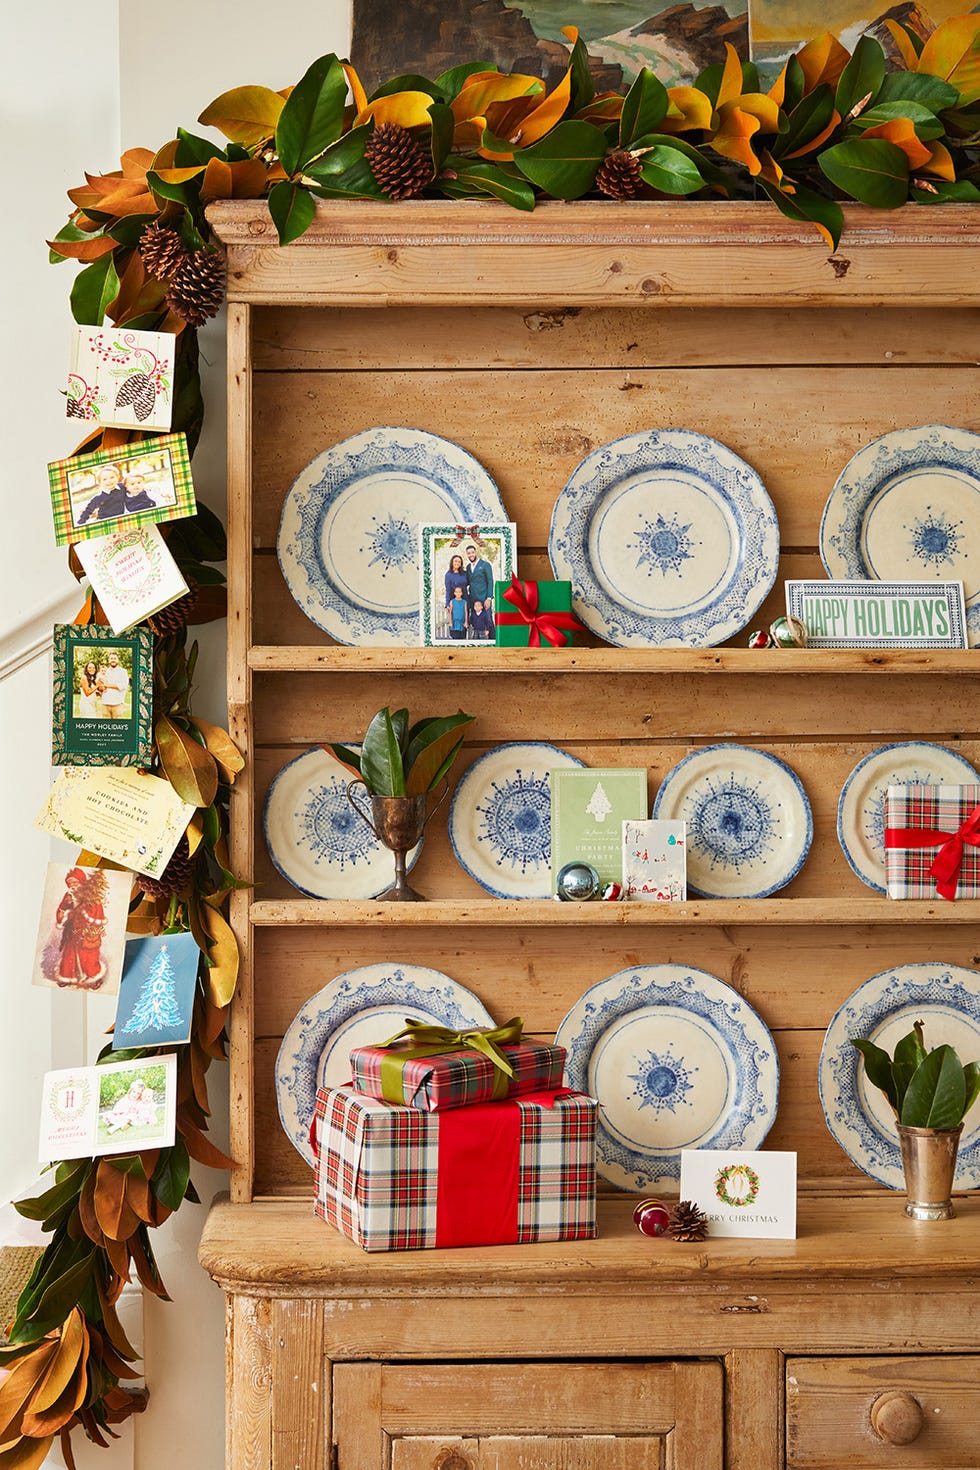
79, 84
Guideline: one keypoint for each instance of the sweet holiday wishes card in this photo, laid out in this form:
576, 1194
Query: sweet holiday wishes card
156, 998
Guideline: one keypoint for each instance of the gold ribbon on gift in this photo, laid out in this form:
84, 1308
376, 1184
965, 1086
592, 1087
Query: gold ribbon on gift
429, 1040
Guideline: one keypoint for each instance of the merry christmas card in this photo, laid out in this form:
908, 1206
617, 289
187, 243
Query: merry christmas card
113, 1109
132, 574
156, 997
82, 933
588, 809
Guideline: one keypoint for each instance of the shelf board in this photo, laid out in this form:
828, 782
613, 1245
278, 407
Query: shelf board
544, 913
486, 659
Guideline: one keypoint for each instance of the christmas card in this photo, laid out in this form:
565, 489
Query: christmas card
655, 861
102, 706
127, 816
82, 933
459, 565
156, 998
114, 1109
137, 484
120, 377
743, 1192
132, 574
588, 809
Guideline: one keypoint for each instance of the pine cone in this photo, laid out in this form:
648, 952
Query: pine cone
687, 1222
176, 615
162, 250
175, 876
401, 166
619, 175
197, 286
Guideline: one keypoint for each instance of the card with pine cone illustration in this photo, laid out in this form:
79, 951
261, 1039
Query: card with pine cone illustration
120, 378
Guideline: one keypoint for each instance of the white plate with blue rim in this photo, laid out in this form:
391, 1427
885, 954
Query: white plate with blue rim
861, 808
675, 1059
362, 1007
907, 508
946, 999
668, 538
500, 818
315, 838
348, 536
749, 823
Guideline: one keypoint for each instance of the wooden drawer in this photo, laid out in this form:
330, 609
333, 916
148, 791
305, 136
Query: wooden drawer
916, 1413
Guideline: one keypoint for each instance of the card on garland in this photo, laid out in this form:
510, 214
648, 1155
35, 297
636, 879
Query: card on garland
459, 565
81, 937
156, 997
114, 1109
120, 377
588, 809
102, 706
132, 574
125, 815
744, 1192
655, 861
138, 484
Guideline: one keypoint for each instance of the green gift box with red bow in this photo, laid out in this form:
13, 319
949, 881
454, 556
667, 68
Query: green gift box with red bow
533, 614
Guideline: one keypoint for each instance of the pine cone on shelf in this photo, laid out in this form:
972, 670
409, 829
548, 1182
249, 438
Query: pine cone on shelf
162, 250
197, 286
176, 615
175, 876
687, 1222
619, 175
400, 165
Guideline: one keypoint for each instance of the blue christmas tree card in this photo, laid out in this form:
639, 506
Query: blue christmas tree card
156, 997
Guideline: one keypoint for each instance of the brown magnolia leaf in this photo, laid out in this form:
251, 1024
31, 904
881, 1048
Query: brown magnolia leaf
86, 250
118, 1253
138, 1196
222, 747
135, 162
72, 1350
246, 115
221, 976
49, 1421
144, 924
200, 1147
91, 1429
189, 768
199, 1068
201, 936
114, 1364
20, 1383
194, 833
113, 1327
86, 1212
159, 1213
146, 1272
26, 1454
113, 1212
210, 605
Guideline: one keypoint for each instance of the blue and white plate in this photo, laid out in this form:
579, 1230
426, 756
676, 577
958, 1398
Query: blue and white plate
348, 537
749, 824
946, 999
668, 539
360, 1008
500, 818
907, 508
676, 1059
315, 838
861, 808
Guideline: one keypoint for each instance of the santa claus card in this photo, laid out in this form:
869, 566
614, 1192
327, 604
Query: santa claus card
82, 933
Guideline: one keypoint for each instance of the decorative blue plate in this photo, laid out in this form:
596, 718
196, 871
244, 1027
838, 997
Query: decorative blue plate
749, 824
861, 808
946, 999
676, 1059
668, 539
315, 838
348, 537
907, 508
359, 1008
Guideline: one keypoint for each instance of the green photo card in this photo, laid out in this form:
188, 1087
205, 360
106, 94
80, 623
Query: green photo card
102, 712
106, 490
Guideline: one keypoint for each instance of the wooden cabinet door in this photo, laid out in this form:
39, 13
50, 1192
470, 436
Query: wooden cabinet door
528, 1416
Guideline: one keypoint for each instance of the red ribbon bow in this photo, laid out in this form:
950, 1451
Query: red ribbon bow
949, 859
472, 532
552, 625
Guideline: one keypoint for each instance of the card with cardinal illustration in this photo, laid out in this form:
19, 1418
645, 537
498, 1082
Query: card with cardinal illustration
120, 378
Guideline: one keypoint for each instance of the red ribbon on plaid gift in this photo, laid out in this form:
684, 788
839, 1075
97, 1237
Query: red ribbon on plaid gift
524, 597
949, 859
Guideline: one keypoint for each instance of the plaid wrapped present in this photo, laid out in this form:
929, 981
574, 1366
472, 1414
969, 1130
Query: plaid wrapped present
527, 614
433, 1068
932, 841
394, 1178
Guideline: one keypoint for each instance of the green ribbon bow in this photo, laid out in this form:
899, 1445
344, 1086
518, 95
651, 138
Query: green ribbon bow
429, 1040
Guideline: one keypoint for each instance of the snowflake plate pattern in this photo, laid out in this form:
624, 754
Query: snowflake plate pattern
861, 808
907, 508
362, 1007
676, 1059
348, 536
749, 824
500, 818
946, 999
315, 838
668, 538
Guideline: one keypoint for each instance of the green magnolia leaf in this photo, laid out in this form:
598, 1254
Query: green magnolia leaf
469, 178
292, 208
185, 193
128, 229
58, 1297
912, 86
172, 1175
381, 759
347, 757
565, 162
947, 192
809, 206
670, 171
43, 1206
313, 116
399, 723
343, 171
72, 235
750, 77
910, 1053
709, 81
408, 83
971, 1076
644, 105
447, 764
426, 755
189, 233
583, 87
441, 140
871, 170
191, 149
807, 120
708, 171
93, 290
795, 85
925, 122
863, 75
878, 1065
452, 82
936, 1095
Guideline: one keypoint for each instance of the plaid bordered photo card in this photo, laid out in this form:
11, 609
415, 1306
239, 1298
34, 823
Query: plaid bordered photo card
136, 485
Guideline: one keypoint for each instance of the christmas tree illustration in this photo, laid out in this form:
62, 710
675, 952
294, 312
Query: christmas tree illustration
599, 805
156, 1008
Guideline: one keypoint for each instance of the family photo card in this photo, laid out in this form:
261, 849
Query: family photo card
114, 1109
156, 998
81, 938
102, 697
121, 378
459, 565
135, 485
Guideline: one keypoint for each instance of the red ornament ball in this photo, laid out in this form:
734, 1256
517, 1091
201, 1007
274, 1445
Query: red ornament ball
651, 1217
760, 639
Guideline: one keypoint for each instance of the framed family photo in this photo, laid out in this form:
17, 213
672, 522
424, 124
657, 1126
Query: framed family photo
102, 706
459, 565
136, 485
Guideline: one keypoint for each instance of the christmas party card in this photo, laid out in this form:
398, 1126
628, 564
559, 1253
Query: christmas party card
120, 377
655, 860
82, 933
135, 484
120, 813
156, 997
114, 1109
132, 574
102, 705
588, 809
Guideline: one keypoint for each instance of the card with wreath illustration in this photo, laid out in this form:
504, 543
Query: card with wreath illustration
121, 378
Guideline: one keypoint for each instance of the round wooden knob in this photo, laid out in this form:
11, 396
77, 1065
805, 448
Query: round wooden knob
450, 1459
896, 1417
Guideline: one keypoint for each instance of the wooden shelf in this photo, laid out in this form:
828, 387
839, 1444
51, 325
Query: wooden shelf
489, 913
